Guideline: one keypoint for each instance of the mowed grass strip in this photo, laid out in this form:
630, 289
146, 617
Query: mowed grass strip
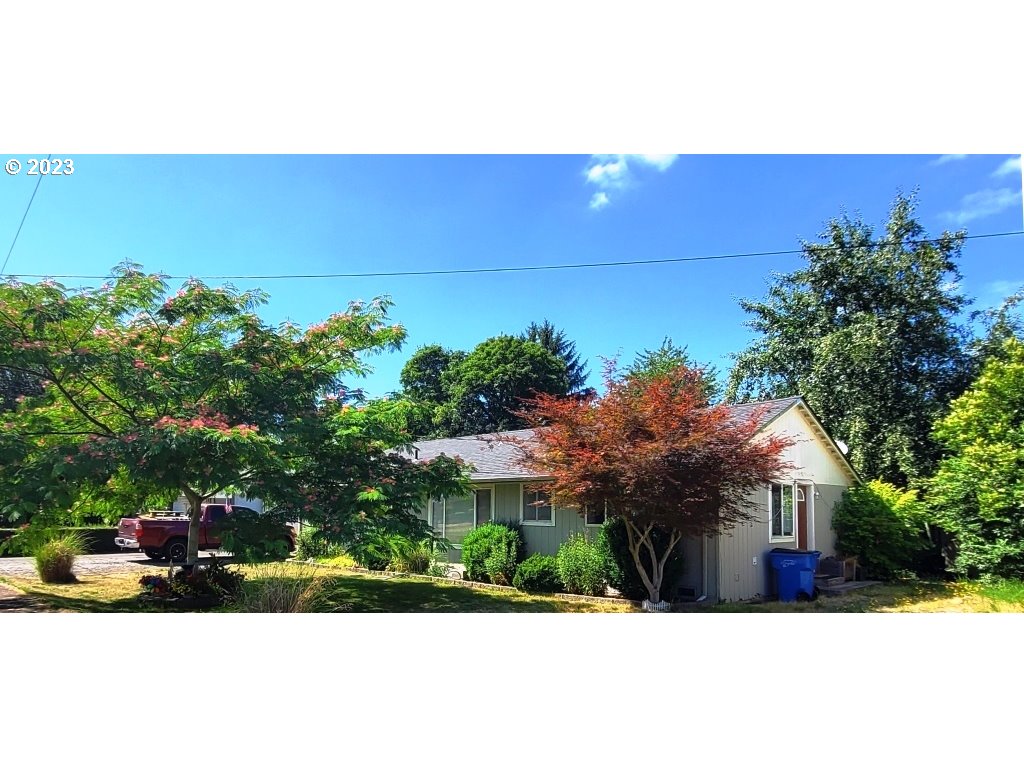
909, 597
356, 593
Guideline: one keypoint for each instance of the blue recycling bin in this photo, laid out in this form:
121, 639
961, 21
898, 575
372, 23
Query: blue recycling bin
794, 572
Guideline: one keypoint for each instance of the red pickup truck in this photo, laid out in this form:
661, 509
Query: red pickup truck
164, 536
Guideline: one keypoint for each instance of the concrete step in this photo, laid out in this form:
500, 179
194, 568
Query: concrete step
825, 582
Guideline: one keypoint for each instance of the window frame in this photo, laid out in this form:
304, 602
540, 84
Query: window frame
604, 517
782, 536
444, 510
522, 509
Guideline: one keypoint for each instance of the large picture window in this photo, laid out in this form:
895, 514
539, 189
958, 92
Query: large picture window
781, 512
536, 508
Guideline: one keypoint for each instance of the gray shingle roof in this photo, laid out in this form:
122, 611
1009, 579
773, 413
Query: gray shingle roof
494, 460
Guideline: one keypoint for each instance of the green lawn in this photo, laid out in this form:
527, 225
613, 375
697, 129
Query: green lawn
909, 597
359, 593
343, 591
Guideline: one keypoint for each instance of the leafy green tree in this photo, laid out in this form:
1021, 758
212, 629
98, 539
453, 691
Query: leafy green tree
557, 343
13, 385
999, 324
487, 389
885, 527
193, 392
421, 376
660, 361
977, 494
867, 333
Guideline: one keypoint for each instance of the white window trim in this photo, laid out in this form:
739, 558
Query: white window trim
771, 537
595, 525
522, 511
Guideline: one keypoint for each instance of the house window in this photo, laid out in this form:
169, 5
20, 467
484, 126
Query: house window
537, 508
781, 512
594, 516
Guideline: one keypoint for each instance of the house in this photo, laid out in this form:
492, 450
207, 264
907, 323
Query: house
794, 513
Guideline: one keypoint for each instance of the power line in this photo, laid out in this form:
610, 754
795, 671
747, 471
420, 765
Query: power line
538, 268
24, 216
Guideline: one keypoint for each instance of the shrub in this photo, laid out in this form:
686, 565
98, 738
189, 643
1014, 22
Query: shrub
883, 526
376, 548
253, 536
55, 559
283, 589
538, 573
622, 572
207, 580
413, 557
582, 566
311, 544
492, 551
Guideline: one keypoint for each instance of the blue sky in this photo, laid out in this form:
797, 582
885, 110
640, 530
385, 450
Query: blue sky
232, 214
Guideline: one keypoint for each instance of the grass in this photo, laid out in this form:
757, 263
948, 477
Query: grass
341, 592
906, 597
98, 593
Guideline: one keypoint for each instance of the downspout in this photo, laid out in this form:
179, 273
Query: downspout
704, 568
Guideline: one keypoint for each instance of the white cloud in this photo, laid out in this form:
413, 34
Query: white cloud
607, 174
1010, 165
943, 159
614, 172
987, 202
661, 162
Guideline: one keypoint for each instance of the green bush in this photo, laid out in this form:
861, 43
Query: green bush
253, 537
538, 573
210, 579
582, 566
381, 550
882, 525
414, 557
491, 552
311, 544
55, 559
622, 572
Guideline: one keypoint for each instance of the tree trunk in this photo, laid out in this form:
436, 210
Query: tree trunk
652, 581
195, 502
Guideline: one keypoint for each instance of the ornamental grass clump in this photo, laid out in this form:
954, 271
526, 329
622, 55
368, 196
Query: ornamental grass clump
282, 589
55, 559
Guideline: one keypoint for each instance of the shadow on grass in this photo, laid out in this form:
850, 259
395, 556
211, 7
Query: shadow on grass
398, 595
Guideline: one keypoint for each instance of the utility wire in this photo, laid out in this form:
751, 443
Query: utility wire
27, 207
538, 268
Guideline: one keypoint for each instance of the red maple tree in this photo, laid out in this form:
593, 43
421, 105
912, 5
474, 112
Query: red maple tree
654, 452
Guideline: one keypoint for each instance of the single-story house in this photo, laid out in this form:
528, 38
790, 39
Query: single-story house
794, 513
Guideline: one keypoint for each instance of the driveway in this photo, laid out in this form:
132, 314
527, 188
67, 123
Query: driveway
25, 567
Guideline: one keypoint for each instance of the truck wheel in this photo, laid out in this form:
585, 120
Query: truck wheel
154, 554
176, 550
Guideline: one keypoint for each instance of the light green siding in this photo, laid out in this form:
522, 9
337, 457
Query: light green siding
544, 539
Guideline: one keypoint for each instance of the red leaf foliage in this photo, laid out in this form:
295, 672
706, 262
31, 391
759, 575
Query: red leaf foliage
654, 451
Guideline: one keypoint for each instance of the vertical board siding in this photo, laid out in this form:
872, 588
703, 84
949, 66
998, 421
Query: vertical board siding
738, 577
810, 457
824, 505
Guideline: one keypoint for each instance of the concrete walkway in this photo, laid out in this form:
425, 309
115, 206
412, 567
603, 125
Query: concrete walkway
13, 601
25, 567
